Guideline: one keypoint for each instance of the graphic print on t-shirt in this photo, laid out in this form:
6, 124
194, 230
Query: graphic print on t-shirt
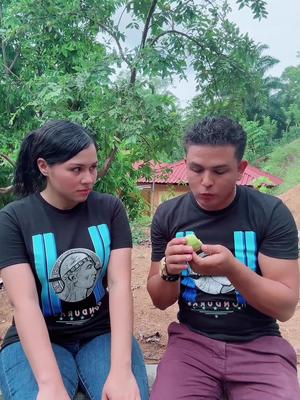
72, 284
74, 274
215, 295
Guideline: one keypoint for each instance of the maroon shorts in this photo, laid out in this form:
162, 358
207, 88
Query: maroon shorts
197, 367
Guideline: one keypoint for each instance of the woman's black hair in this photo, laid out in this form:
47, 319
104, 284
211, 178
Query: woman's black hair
55, 142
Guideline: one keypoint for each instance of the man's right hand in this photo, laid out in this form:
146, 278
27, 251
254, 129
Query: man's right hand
178, 254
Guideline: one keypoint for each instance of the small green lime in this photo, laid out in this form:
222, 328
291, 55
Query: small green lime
193, 241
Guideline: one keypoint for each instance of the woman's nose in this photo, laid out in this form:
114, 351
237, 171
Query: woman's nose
87, 178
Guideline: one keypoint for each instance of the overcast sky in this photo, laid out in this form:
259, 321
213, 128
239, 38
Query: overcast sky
280, 31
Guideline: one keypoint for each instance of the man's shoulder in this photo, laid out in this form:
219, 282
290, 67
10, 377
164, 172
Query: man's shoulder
255, 196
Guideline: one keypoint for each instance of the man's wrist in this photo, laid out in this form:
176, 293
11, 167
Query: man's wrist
164, 273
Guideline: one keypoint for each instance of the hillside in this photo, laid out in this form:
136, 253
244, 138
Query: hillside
292, 199
284, 162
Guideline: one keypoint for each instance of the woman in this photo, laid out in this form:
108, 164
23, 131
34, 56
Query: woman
65, 262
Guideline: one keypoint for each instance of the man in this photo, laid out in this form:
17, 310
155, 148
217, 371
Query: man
230, 296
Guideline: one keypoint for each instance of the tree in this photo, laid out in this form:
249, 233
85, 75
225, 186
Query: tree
60, 60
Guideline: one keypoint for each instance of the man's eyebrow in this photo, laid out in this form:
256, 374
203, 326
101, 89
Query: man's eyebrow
194, 164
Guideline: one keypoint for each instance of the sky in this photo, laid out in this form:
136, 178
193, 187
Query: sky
280, 31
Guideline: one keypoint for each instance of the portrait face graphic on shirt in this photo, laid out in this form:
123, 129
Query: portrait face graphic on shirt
75, 274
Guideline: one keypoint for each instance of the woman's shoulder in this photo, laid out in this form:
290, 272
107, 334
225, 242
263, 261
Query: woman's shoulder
104, 199
20, 205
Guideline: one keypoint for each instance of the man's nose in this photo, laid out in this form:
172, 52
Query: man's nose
207, 179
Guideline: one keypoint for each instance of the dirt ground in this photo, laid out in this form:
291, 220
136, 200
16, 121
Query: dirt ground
151, 324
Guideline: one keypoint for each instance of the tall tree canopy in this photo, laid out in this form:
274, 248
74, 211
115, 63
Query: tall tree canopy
62, 59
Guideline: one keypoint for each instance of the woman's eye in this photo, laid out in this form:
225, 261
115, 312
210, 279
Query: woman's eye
77, 169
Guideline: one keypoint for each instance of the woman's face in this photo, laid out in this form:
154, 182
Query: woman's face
70, 183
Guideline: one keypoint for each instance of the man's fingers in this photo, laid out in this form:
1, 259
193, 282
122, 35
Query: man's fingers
178, 249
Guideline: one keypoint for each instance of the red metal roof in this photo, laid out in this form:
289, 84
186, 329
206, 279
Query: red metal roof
175, 173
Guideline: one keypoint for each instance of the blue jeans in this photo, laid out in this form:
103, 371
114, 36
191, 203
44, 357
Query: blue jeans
85, 365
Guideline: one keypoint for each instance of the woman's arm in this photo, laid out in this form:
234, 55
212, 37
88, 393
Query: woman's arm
20, 286
120, 382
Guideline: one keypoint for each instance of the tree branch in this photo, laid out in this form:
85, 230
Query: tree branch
6, 190
128, 4
186, 35
144, 37
14, 61
7, 159
114, 36
107, 164
147, 23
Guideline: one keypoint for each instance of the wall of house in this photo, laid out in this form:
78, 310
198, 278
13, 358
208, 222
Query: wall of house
157, 193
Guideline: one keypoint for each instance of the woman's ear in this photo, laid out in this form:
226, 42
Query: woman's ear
43, 166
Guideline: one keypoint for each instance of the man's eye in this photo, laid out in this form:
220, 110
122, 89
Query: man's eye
220, 172
197, 171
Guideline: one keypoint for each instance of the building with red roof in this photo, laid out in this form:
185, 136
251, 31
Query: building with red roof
169, 180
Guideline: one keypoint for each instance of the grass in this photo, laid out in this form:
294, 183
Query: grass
284, 162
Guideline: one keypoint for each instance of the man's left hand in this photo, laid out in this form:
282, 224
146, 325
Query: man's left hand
218, 262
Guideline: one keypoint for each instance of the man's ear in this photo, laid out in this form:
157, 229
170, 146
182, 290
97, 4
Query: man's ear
43, 166
241, 168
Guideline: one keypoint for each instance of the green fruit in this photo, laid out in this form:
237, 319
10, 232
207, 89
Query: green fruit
193, 241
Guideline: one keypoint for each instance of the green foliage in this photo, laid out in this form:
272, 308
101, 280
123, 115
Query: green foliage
140, 229
258, 7
284, 162
260, 135
63, 59
263, 184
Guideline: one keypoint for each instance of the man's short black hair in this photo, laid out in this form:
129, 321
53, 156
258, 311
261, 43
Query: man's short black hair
217, 131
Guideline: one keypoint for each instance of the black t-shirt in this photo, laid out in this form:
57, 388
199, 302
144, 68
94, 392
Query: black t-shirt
68, 251
254, 222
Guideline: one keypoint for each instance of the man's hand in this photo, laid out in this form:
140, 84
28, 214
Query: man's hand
218, 262
178, 254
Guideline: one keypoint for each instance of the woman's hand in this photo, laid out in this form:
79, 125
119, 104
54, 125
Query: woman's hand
121, 386
52, 392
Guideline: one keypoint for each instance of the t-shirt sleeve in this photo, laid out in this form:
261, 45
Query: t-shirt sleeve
159, 238
281, 239
13, 250
120, 229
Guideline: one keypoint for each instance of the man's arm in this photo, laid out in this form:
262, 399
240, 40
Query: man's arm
275, 293
165, 293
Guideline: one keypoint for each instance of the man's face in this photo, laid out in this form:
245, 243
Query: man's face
212, 173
